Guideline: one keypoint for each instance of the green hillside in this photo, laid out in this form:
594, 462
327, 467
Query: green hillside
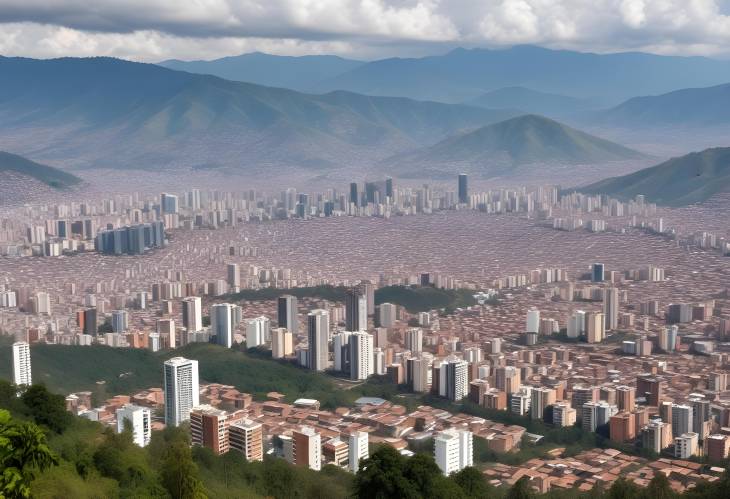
680, 181
46, 174
528, 139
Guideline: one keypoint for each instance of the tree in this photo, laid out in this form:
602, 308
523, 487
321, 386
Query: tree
381, 477
23, 452
521, 489
472, 483
46, 408
623, 489
659, 487
180, 474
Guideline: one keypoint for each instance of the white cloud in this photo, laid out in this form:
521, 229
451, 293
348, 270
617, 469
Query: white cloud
157, 29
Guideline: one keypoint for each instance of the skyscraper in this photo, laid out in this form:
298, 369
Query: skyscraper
533, 321
221, 323
192, 314
21, 364
182, 391
361, 355
282, 342
119, 321
454, 379
234, 278
463, 189
318, 325
353, 194
414, 340
287, 314
597, 273
258, 330
356, 310
387, 313
610, 308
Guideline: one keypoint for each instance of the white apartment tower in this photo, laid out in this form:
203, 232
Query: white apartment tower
21, 364
139, 420
182, 391
192, 314
361, 356
318, 327
453, 450
357, 449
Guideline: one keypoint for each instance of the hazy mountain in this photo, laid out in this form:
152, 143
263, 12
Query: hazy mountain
109, 112
688, 179
463, 74
691, 106
46, 174
529, 139
534, 102
297, 73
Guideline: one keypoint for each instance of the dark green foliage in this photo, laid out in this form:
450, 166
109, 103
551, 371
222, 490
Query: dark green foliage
424, 298
521, 489
472, 483
47, 409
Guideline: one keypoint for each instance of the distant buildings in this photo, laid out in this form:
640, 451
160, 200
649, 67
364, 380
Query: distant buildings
132, 239
222, 323
182, 391
287, 313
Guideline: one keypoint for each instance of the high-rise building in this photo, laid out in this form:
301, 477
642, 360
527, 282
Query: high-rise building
90, 325
354, 199
563, 414
21, 364
341, 351
718, 447
307, 448
258, 330
622, 427
650, 388
414, 340
595, 414
282, 343
597, 273
287, 313
577, 324
138, 420
681, 419
234, 278
120, 321
625, 398
221, 323
454, 379
596, 327
655, 435
507, 379
463, 188
611, 308
686, 445
166, 330
357, 449
532, 324
361, 355
421, 375
209, 428
367, 289
453, 450
169, 203
318, 323
540, 399
247, 437
356, 310
668, 338
387, 314
192, 314
182, 391
700, 415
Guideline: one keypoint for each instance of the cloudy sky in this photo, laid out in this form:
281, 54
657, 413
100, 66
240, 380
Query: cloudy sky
153, 30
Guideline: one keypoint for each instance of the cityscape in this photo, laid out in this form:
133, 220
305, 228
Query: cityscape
328, 272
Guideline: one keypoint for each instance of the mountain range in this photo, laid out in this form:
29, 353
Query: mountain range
534, 102
47, 174
499, 148
465, 74
110, 112
688, 179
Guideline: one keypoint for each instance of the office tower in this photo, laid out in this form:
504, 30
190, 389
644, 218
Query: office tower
192, 314
138, 420
21, 364
453, 450
389, 187
540, 399
357, 449
650, 388
234, 278
596, 327
89, 323
356, 310
414, 340
257, 331
367, 289
686, 445
209, 428
533, 321
610, 308
626, 398
454, 379
421, 375
668, 338
622, 427
361, 355
307, 448
282, 343
221, 323
595, 414
597, 273
387, 314
577, 324
119, 321
247, 437
563, 414
318, 324
182, 391
341, 351
507, 379
463, 189
287, 313
169, 203
681, 419
166, 330
353, 194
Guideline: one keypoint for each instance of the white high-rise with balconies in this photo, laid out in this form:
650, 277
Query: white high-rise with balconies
357, 450
21, 364
453, 450
182, 390
361, 355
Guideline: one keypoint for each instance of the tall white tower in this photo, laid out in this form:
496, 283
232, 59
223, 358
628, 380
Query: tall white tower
182, 390
21, 364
